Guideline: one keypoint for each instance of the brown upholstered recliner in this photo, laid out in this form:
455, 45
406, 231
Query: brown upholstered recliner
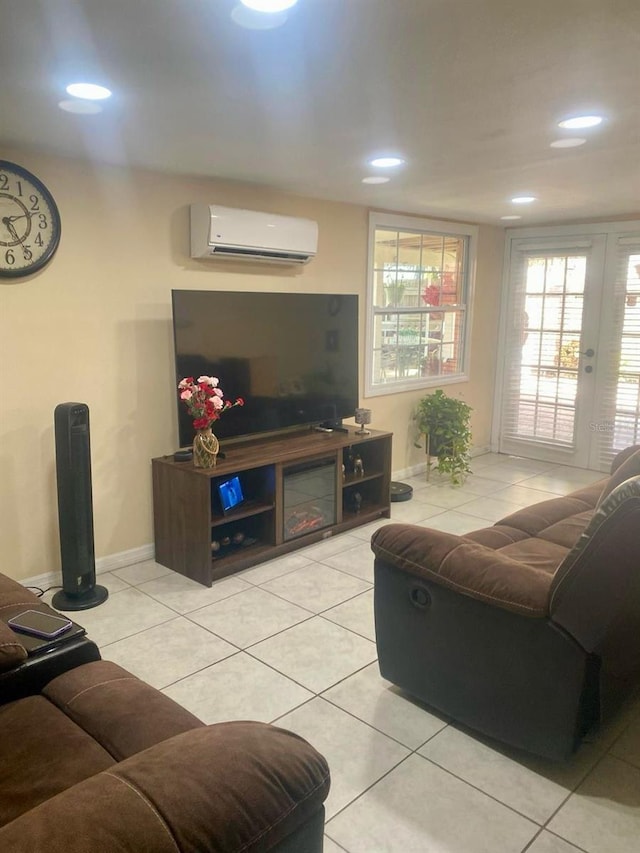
527, 631
97, 760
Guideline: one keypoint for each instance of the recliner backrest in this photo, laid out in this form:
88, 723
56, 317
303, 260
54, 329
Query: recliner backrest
595, 593
625, 465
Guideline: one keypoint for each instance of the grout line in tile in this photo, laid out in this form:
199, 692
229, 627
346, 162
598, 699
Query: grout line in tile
317, 613
366, 722
368, 788
275, 720
195, 609
336, 843
560, 838
258, 584
280, 631
532, 841
283, 674
595, 764
136, 633
475, 787
346, 628
351, 598
202, 669
213, 633
287, 600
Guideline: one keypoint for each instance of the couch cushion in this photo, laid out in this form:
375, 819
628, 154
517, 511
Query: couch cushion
121, 712
43, 752
228, 788
536, 553
497, 536
539, 516
568, 531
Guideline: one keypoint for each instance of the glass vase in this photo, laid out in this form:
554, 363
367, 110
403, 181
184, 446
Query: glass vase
205, 449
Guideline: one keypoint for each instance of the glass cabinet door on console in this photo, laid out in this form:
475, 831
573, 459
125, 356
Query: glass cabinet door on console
309, 497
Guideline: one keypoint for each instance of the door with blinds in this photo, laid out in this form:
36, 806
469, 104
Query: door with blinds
570, 378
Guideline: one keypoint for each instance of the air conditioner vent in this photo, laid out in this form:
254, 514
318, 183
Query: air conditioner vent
225, 232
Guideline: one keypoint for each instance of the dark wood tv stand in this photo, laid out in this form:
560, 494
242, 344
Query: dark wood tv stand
295, 494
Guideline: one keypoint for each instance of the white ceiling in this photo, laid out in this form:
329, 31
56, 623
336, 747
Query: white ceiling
468, 91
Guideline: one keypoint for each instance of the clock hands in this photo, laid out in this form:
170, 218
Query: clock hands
8, 219
11, 229
8, 222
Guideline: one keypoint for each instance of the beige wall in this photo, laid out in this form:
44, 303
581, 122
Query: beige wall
95, 327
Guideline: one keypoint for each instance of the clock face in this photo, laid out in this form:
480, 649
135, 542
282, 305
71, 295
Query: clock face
29, 222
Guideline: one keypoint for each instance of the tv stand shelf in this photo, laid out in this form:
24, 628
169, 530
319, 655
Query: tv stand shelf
195, 538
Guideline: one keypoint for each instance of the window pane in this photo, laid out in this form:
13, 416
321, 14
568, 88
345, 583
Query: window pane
418, 282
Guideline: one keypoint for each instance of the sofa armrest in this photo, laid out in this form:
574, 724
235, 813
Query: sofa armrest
235, 786
464, 566
12, 652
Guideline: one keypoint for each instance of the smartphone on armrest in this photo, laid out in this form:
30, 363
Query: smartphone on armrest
39, 624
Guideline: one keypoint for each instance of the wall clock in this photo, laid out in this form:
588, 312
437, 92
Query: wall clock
29, 222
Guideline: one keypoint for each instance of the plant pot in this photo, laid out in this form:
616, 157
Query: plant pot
434, 445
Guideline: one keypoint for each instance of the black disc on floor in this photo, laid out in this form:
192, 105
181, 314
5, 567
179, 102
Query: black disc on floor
401, 492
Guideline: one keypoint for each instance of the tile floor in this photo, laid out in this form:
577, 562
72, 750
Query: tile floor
292, 642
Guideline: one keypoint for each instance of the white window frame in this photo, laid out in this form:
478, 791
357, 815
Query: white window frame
425, 226
570, 234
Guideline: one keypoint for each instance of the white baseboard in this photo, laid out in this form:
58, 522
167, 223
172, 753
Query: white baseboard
103, 564
125, 558
415, 470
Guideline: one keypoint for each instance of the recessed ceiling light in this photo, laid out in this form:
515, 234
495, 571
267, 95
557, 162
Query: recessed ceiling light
569, 142
386, 162
511, 217
580, 121
248, 18
85, 108
523, 199
376, 179
88, 91
269, 5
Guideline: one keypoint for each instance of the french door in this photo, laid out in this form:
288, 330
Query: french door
570, 378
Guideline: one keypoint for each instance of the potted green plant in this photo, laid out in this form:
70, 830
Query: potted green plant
444, 422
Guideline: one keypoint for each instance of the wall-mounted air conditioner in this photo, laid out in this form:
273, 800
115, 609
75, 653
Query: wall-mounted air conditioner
225, 232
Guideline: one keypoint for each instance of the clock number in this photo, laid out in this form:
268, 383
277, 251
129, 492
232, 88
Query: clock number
35, 206
27, 253
39, 241
19, 183
4, 181
9, 257
43, 221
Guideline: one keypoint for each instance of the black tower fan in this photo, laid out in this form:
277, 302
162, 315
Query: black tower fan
75, 510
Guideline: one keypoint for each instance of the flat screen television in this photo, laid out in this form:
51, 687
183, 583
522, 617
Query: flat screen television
292, 357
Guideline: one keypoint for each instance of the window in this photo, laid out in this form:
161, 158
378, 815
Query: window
418, 302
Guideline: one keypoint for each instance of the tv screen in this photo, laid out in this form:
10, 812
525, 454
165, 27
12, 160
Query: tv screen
292, 357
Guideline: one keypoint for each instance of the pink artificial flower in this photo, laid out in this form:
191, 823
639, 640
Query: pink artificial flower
186, 395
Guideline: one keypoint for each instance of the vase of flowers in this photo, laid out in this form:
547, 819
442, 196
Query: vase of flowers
205, 403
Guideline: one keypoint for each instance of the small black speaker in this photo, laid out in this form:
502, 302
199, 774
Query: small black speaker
75, 510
